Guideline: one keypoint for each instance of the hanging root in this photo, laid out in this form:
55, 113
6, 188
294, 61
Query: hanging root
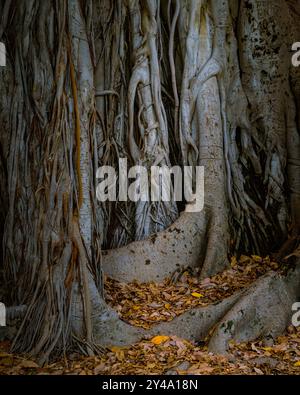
213, 129
195, 239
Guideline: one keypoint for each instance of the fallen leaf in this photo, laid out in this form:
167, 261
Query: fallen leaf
233, 261
28, 364
267, 348
7, 361
256, 258
116, 349
258, 371
197, 295
159, 339
244, 258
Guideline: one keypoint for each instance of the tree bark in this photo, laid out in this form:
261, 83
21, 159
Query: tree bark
191, 82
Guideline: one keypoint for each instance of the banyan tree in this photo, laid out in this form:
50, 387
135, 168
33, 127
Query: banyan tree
159, 83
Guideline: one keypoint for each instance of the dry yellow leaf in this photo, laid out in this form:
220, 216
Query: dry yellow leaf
267, 348
5, 354
256, 258
28, 364
243, 258
297, 364
233, 261
116, 349
159, 339
151, 365
197, 295
119, 351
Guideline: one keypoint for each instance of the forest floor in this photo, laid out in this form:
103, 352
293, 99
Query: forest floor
150, 303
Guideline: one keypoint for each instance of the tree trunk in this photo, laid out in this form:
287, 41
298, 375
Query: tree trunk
194, 82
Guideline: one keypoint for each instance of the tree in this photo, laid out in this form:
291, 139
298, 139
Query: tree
191, 82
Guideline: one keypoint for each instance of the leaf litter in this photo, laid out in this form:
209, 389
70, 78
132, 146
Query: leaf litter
147, 304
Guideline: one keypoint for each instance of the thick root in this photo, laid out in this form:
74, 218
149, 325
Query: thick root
160, 255
261, 310
193, 325
183, 244
194, 239
110, 330
196, 323
264, 310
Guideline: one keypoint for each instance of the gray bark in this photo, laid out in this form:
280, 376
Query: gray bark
184, 83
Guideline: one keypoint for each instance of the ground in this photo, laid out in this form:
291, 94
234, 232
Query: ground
172, 356
150, 303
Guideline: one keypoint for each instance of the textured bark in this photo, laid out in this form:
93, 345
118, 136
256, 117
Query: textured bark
191, 82
262, 311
